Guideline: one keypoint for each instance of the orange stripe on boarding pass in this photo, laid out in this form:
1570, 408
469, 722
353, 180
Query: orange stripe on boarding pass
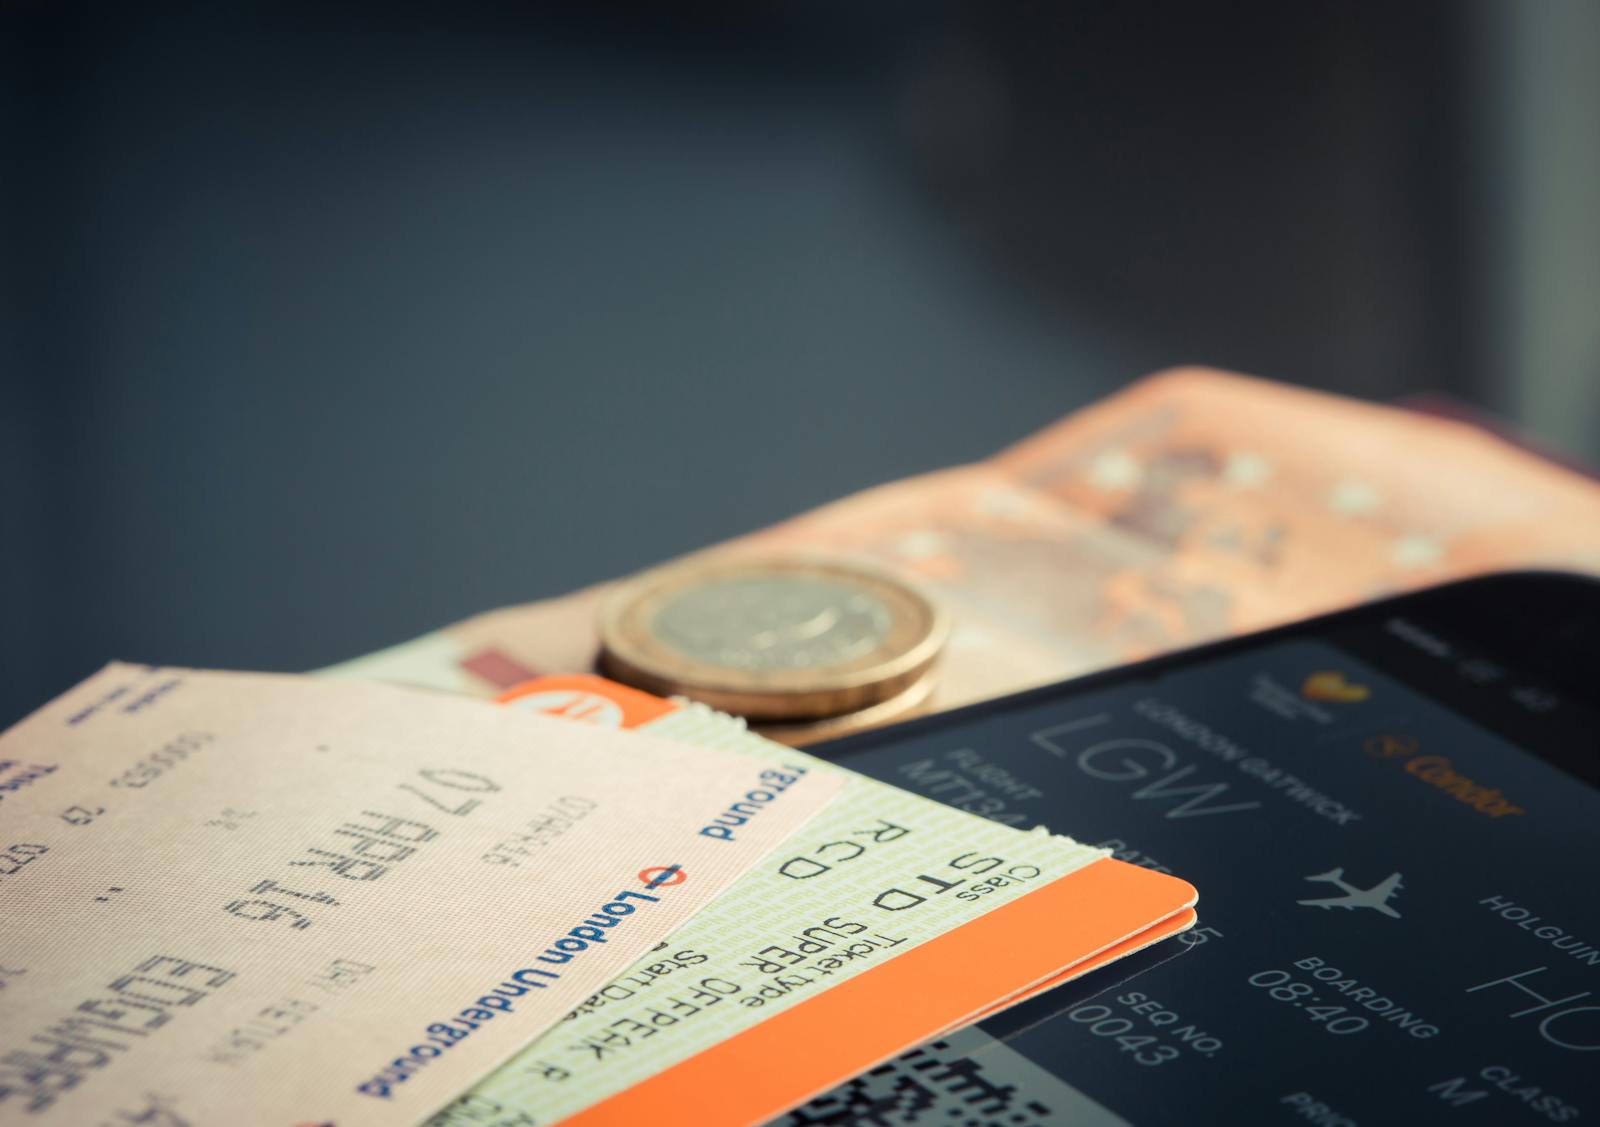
583, 696
863, 1021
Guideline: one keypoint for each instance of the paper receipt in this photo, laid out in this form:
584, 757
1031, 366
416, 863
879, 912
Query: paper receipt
270, 899
877, 874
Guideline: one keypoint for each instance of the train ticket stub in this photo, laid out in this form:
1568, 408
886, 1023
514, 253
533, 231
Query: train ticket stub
272, 899
881, 879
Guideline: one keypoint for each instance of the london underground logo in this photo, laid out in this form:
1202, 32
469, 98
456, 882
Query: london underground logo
664, 876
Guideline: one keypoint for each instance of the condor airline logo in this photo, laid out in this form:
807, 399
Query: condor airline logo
1438, 772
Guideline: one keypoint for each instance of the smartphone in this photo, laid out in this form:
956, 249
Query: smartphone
1392, 818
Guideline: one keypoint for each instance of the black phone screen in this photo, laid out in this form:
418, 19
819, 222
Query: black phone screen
1391, 819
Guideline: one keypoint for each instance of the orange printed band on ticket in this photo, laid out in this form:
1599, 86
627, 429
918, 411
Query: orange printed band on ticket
1071, 926
583, 696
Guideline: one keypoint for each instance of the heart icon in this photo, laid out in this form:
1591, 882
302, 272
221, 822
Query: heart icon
1329, 685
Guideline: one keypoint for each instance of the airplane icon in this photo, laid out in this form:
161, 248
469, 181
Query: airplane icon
1377, 897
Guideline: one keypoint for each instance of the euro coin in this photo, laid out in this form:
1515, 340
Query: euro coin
772, 639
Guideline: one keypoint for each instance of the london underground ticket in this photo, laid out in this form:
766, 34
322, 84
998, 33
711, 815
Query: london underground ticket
272, 899
887, 920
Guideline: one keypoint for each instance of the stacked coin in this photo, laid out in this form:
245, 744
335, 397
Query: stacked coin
805, 648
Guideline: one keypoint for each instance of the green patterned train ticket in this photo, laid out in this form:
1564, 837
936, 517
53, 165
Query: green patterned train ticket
877, 873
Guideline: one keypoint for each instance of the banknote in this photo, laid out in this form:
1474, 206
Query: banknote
878, 875
270, 899
1192, 505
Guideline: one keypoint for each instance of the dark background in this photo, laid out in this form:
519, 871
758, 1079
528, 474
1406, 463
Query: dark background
325, 325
